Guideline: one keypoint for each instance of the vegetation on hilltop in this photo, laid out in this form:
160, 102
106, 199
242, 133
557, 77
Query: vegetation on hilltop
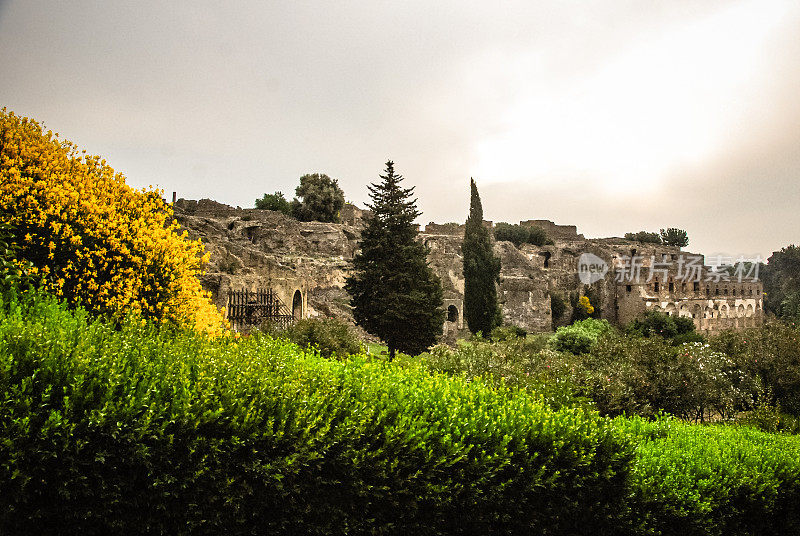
319, 198
520, 234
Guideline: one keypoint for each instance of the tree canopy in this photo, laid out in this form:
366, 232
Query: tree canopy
644, 237
394, 293
481, 271
275, 202
781, 278
320, 199
674, 237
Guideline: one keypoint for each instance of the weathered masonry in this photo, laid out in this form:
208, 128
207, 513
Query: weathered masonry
306, 264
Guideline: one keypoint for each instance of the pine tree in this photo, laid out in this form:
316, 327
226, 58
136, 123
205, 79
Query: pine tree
481, 271
394, 293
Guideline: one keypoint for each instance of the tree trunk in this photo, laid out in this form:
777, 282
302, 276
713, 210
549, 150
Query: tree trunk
391, 353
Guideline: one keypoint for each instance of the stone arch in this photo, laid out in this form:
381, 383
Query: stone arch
697, 311
297, 305
671, 309
547, 256
723, 311
684, 311
709, 313
452, 313
740, 311
749, 311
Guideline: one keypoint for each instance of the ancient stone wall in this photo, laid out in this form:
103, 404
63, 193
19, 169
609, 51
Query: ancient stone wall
307, 263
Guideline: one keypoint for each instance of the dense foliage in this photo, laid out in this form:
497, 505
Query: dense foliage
93, 239
276, 202
781, 278
520, 234
674, 237
481, 271
14, 274
693, 480
644, 236
678, 329
138, 429
584, 306
320, 199
685, 479
579, 337
394, 292
329, 336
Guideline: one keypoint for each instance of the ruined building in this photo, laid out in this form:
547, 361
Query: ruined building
305, 264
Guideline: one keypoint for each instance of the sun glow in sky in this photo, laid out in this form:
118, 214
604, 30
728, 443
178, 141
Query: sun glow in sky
667, 103
612, 115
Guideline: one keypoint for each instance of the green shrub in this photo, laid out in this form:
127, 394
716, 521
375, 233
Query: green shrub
275, 202
519, 234
679, 329
770, 355
579, 337
645, 375
519, 363
329, 336
507, 332
644, 236
690, 480
131, 429
14, 274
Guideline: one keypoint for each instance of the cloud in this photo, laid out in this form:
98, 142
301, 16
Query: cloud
609, 115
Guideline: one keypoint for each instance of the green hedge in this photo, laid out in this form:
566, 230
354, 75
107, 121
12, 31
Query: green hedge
692, 480
127, 429
112, 429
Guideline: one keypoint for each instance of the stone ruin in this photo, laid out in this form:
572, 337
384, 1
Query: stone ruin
306, 264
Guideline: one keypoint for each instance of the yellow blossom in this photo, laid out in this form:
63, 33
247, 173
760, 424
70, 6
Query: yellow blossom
102, 244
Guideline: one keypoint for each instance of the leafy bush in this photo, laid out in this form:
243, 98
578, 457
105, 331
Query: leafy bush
519, 363
276, 202
519, 234
644, 236
579, 337
712, 480
770, 355
674, 237
677, 328
329, 336
132, 429
13, 273
508, 332
321, 199
645, 375
97, 241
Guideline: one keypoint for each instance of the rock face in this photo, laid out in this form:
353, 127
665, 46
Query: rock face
306, 264
252, 249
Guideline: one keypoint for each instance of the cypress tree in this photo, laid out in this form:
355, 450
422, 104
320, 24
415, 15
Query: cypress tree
481, 271
394, 293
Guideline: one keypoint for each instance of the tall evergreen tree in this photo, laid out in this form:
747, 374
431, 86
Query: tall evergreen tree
481, 271
394, 293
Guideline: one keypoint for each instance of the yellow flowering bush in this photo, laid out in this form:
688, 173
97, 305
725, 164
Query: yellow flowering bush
586, 305
97, 242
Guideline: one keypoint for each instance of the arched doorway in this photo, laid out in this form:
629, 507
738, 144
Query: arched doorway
297, 305
452, 314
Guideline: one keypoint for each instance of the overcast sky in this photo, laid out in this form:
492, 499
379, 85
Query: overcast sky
611, 115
